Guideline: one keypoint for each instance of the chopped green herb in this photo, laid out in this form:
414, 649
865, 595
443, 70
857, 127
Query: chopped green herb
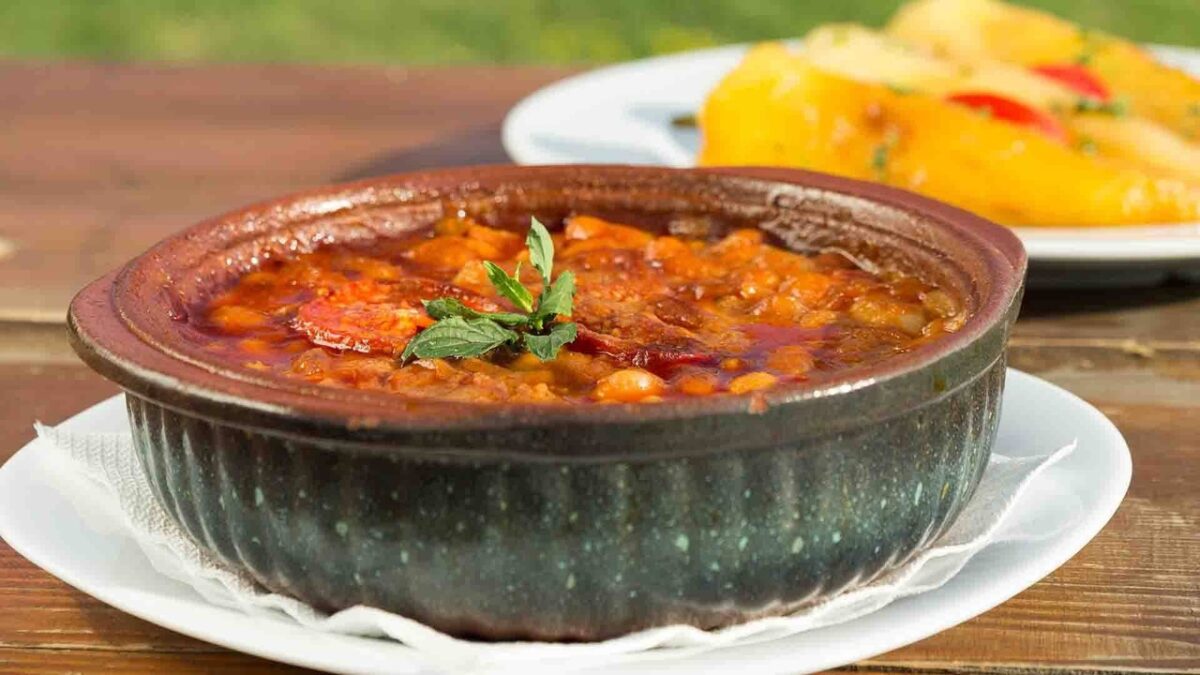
1118, 107
879, 160
1087, 146
900, 89
1092, 42
883, 154
462, 332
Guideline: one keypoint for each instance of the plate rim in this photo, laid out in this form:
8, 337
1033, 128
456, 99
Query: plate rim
1067, 544
1045, 245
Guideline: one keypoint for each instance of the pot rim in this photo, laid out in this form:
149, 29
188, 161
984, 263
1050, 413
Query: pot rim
108, 340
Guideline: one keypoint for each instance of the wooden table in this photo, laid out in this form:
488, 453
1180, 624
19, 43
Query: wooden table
99, 161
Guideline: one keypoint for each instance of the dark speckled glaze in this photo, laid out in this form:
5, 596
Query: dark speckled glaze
564, 522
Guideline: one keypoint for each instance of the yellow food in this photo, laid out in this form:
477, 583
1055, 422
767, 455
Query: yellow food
777, 108
1140, 142
989, 29
863, 54
868, 56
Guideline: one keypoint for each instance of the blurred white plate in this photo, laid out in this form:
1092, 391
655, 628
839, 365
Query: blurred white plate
622, 115
64, 525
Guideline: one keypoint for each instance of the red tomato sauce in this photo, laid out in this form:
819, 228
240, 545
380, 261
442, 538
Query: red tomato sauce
658, 316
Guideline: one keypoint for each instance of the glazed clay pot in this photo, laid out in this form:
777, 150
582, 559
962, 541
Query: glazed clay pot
563, 522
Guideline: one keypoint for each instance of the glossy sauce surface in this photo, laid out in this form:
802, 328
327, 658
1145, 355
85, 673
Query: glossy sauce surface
658, 316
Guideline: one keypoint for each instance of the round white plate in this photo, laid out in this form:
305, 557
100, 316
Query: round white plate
66, 527
622, 115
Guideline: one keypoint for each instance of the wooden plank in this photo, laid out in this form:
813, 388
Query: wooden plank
1128, 375
45, 613
1132, 319
1129, 601
100, 161
53, 660
43, 392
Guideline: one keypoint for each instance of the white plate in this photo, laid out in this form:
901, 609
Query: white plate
82, 542
621, 115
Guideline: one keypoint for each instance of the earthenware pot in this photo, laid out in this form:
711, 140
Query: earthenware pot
563, 522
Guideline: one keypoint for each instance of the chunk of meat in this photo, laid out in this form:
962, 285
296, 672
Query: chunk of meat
634, 335
679, 313
657, 356
378, 317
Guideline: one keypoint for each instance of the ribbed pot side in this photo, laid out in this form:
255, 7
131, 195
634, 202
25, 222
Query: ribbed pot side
569, 550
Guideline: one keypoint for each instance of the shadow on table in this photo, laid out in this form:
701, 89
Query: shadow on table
479, 145
1045, 302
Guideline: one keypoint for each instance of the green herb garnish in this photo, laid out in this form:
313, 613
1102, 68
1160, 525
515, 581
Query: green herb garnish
458, 337
882, 155
444, 308
1092, 42
510, 287
1118, 107
879, 160
462, 332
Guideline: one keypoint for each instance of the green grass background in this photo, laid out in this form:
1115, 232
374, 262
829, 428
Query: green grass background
463, 31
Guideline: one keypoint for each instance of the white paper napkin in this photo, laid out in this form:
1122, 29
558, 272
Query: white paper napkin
108, 459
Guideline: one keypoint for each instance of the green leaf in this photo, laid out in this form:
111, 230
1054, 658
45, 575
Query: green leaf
546, 347
459, 338
541, 249
508, 286
444, 308
558, 299
1118, 107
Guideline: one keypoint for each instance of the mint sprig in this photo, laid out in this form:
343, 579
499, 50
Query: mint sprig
462, 332
456, 336
444, 308
546, 347
510, 287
